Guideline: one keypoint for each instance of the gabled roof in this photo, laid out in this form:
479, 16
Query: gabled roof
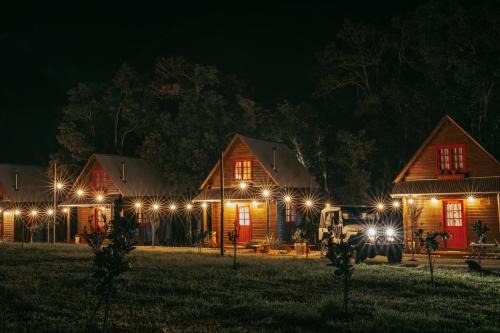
33, 183
435, 131
141, 179
289, 171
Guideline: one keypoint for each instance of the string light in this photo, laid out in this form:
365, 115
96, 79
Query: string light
266, 193
59, 185
80, 193
65, 209
380, 206
243, 186
34, 213
287, 199
138, 205
50, 212
173, 207
396, 204
155, 206
17, 212
189, 206
99, 198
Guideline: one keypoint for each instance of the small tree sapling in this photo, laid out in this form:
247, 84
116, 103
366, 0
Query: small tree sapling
154, 220
431, 243
111, 260
342, 256
480, 230
233, 237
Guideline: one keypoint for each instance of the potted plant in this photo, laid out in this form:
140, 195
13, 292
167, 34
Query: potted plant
300, 243
77, 239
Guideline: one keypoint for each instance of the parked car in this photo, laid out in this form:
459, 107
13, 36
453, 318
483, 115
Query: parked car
371, 232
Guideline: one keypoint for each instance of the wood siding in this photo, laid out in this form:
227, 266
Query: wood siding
83, 217
240, 151
86, 180
8, 226
258, 220
479, 164
484, 208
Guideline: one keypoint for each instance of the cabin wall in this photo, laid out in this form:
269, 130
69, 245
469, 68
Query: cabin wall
239, 151
83, 214
8, 226
484, 208
479, 163
258, 220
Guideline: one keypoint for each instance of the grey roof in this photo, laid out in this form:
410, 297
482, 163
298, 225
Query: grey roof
33, 183
141, 179
453, 186
289, 171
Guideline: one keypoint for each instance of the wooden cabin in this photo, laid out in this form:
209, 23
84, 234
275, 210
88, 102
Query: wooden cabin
102, 180
454, 181
257, 176
23, 188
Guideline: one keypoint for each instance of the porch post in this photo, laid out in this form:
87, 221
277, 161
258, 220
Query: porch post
498, 208
205, 224
68, 225
221, 236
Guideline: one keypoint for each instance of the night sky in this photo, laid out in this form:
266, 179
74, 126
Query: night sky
46, 51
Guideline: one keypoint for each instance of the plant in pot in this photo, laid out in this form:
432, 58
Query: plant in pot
299, 238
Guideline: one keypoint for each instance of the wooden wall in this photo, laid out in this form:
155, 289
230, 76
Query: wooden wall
258, 220
240, 151
479, 164
484, 208
8, 226
86, 180
83, 218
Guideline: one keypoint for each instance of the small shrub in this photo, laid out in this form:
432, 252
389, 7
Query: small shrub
341, 256
431, 243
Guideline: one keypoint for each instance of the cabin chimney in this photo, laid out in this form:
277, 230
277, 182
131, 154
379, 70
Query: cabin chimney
16, 183
123, 172
274, 160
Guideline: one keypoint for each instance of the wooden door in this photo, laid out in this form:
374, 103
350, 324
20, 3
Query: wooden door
454, 224
243, 214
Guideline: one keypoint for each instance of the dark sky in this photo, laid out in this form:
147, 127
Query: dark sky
46, 51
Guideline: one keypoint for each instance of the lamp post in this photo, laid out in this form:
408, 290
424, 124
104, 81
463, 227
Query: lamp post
221, 236
266, 194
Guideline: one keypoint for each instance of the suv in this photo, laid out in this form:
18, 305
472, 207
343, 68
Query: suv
371, 233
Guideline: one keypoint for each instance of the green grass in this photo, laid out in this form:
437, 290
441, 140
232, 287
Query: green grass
50, 289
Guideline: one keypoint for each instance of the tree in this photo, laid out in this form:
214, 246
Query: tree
233, 236
431, 243
342, 257
111, 260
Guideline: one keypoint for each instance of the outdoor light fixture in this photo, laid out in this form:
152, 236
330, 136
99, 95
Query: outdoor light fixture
138, 204
471, 199
229, 204
17, 212
65, 209
80, 192
396, 204
255, 203
34, 213
287, 199
372, 232
308, 203
380, 206
434, 200
327, 205
99, 198
189, 206
155, 206
243, 186
204, 205
390, 232
50, 212
59, 185
266, 193
411, 201
172, 207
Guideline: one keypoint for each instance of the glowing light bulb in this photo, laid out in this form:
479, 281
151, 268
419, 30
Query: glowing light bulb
266, 193
396, 204
434, 200
204, 205
155, 206
65, 210
380, 206
411, 201
173, 207
390, 232
255, 203
287, 199
99, 198
471, 199
308, 203
17, 212
243, 186
50, 212
59, 185
34, 213
80, 192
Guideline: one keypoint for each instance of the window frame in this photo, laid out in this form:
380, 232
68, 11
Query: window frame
250, 173
290, 216
244, 207
103, 179
449, 148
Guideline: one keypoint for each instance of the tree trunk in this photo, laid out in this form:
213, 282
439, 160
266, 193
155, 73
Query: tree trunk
431, 266
346, 293
107, 308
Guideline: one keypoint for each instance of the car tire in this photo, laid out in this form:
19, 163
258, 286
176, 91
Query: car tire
323, 250
395, 256
360, 256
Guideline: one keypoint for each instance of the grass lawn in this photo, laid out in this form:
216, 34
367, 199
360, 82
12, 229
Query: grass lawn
50, 289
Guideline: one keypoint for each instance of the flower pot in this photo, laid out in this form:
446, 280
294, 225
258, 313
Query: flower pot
300, 249
77, 239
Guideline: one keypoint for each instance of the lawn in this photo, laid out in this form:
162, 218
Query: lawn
47, 288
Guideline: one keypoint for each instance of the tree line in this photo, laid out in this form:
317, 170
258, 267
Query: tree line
378, 91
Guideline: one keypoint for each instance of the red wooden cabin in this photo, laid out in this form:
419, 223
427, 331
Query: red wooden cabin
456, 182
257, 176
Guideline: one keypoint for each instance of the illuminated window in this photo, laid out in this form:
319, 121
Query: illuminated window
454, 214
451, 157
242, 170
244, 215
99, 179
289, 214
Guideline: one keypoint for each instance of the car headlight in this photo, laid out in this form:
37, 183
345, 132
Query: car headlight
372, 232
390, 232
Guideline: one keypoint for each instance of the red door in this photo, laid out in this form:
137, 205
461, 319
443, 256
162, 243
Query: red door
454, 224
243, 214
